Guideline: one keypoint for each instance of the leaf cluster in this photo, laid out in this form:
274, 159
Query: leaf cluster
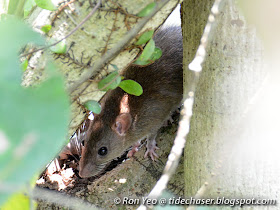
34, 120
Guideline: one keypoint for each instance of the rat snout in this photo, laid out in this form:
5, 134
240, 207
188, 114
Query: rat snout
87, 170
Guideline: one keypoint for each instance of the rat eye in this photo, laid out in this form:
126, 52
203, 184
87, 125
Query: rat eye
102, 151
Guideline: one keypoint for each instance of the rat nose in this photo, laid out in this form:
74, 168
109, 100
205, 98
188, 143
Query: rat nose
85, 171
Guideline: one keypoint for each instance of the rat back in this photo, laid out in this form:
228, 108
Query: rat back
162, 84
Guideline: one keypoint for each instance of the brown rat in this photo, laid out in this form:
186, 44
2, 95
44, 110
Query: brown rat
125, 118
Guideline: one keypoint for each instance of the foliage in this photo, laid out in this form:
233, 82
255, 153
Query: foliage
59, 48
46, 28
131, 87
24, 65
156, 54
112, 81
17, 201
145, 37
33, 121
147, 10
93, 106
45, 4
149, 54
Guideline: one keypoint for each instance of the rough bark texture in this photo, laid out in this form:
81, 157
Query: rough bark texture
225, 146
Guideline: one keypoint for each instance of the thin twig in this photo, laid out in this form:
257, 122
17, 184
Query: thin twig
71, 32
110, 35
61, 9
184, 126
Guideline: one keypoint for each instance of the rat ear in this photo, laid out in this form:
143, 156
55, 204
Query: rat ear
122, 123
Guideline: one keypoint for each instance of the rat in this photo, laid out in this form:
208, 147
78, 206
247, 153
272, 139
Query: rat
125, 119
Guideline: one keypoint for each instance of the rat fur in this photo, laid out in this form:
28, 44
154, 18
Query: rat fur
126, 119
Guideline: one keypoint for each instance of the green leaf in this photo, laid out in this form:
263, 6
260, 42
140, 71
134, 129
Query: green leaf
147, 53
156, 54
142, 63
28, 6
17, 201
33, 122
24, 65
16, 35
46, 28
145, 37
59, 48
131, 87
147, 10
46, 4
112, 81
44, 112
93, 106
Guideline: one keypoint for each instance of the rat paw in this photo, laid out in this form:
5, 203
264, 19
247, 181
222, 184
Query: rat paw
152, 153
134, 149
168, 121
151, 149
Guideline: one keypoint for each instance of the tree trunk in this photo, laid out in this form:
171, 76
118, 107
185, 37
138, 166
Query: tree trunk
227, 140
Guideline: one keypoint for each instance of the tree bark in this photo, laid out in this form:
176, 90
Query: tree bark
225, 147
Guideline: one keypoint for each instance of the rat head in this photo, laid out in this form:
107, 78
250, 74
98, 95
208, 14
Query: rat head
106, 141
